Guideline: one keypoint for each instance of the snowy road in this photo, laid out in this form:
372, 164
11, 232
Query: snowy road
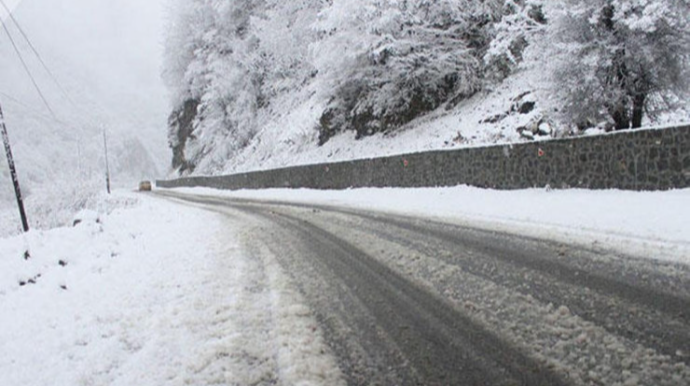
410, 301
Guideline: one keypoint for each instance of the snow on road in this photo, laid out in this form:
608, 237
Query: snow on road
150, 292
642, 224
153, 293
595, 318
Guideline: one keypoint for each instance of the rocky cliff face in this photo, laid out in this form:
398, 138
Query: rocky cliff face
181, 123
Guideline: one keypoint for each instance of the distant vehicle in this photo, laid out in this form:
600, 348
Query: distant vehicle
145, 186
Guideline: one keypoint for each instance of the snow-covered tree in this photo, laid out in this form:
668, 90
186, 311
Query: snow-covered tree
391, 61
516, 24
620, 60
284, 32
215, 89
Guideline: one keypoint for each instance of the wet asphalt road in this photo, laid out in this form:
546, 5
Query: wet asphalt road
409, 301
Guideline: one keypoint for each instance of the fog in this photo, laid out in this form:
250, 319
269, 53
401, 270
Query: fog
106, 58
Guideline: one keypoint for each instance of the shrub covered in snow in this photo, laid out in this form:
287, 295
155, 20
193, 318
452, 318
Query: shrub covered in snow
619, 60
402, 59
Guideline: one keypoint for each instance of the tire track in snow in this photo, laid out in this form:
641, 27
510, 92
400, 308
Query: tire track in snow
426, 340
587, 352
540, 308
659, 320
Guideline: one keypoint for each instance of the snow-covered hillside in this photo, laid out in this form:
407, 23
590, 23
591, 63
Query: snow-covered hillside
104, 58
259, 85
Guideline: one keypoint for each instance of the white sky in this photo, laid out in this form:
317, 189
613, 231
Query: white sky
11, 3
113, 38
106, 53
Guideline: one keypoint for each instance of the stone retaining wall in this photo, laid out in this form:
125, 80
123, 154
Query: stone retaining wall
650, 159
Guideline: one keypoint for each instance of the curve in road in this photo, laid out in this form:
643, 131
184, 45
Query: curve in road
416, 302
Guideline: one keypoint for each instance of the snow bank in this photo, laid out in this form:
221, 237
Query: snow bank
153, 293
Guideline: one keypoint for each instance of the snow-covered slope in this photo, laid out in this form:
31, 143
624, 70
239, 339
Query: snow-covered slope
263, 85
293, 139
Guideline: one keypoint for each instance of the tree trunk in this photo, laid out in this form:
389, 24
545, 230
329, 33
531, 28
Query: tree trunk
638, 110
620, 116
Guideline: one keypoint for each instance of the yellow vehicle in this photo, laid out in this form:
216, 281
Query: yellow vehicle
145, 186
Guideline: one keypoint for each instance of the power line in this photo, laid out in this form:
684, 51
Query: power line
47, 69
26, 68
85, 119
35, 112
38, 89
35, 51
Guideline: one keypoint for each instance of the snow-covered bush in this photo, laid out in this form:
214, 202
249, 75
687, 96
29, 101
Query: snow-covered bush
517, 22
620, 60
391, 61
284, 34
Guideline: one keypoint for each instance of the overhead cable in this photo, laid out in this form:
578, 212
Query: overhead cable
31, 110
35, 51
26, 68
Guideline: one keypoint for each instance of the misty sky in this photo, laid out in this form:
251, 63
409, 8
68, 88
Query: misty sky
10, 3
106, 53
120, 41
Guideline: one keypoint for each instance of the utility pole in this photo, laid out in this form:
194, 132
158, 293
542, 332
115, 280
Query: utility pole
13, 172
107, 165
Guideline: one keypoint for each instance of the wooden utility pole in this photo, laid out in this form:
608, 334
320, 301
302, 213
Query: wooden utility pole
13, 172
107, 165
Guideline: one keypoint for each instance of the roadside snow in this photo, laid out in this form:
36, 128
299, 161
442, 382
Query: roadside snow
643, 224
154, 293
